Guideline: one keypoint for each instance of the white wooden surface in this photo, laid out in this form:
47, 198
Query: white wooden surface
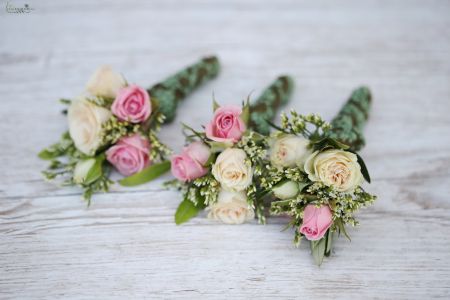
126, 244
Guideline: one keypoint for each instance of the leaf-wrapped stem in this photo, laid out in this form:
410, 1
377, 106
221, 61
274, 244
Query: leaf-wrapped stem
267, 104
173, 89
349, 123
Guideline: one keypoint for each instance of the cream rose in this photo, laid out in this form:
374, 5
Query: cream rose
105, 82
231, 171
85, 124
231, 208
289, 151
336, 168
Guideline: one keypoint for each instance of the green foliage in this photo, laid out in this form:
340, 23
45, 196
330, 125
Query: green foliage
187, 210
364, 170
148, 174
245, 116
318, 249
64, 146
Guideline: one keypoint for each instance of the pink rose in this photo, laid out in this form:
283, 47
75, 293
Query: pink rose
190, 163
132, 104
227, 125
130, 155
316, 222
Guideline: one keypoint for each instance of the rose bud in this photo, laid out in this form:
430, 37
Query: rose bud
316, 221
286, 190
190, 164
84, 172
289, 151
105, 82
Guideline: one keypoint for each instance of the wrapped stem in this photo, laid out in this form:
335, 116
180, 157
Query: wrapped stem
173, 89
349, 123
266, 105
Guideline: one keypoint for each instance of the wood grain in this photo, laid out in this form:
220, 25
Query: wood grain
126, 244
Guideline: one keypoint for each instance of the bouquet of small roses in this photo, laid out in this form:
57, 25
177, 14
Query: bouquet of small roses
115, 124
315, 174
218, 169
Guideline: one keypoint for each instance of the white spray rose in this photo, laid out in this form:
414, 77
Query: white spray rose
82, 170
286, 190
289, 151
336, 168
231, 171
105, 82
231, 208
85, 124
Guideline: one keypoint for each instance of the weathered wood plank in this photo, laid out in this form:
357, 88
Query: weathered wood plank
126, 245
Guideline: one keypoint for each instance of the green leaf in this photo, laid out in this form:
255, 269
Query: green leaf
96, 170
186, 211
146, 175
47, 154
329, 242
364, 170
196, 133
65, 101
318, 250
246, 112
219, 146
341, 227
275, 126
211, 160
303, 185
337, 144
215, 104
290, 224
327, 142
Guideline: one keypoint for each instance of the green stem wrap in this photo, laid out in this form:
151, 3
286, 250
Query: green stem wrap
173, 89
267, 104
349, 123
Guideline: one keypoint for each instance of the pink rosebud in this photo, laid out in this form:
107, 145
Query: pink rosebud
190, 163
227, 125
132, 104
130, 155
316, 222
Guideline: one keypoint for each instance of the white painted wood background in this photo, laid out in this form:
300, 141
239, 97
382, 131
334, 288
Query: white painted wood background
126, 244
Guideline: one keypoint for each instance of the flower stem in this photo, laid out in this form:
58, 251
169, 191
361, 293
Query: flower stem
266, 105
176, 87
349, 123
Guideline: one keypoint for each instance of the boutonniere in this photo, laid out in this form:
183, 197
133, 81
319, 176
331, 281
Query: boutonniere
315, 174
114, 124
218, 170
